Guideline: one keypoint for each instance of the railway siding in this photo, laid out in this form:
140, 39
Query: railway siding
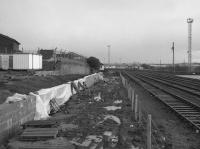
181, 106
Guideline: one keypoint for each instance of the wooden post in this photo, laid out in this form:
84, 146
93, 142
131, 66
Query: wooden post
132, 99
136, 107
129, 93
149, 132
139, 111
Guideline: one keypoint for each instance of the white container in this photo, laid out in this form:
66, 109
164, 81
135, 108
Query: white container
4, 62
40, 61
26, 61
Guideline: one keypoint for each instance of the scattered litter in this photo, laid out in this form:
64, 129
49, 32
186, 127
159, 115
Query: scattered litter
111, 138
106, 80
16, 97
112, 108
90, 142
114, 141
98, 97
82, 144
117, 101
107, 133
112, 117
95, 138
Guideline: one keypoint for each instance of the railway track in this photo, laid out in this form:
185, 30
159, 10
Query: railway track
181, 97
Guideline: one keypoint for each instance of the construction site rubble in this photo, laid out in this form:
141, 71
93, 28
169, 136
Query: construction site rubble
85, 123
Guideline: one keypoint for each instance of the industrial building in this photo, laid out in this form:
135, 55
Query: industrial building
8, 45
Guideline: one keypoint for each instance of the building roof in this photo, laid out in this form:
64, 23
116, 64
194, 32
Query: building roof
6, 37
47, 54
75, 54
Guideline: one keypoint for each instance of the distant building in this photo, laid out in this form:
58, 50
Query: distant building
71, 55
8, 45
47, 54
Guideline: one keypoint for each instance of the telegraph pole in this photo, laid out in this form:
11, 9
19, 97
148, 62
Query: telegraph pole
173, 57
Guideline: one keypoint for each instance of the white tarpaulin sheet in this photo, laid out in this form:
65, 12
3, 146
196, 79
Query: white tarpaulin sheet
60, 93
16, 97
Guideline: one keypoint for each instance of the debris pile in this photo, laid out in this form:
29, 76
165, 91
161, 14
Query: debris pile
95, 118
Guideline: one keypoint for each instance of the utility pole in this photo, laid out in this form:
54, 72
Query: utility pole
190, 21
160, 64
108, 46
173, 57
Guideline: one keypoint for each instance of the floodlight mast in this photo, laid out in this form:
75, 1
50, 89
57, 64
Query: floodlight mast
173, 64
190, 21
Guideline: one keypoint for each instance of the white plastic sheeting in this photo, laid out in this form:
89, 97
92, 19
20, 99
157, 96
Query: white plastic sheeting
98, 97
117, 101
112, 117
60, 93
16, 97
112, 108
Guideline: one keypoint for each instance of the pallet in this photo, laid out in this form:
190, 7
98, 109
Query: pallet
40, 123
36, 134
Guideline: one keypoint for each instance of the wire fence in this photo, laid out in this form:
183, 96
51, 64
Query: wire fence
155, 138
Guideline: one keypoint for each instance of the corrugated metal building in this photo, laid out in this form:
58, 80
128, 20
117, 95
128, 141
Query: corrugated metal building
8, 45
22, 61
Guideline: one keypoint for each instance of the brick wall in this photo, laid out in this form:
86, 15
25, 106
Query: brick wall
13, 115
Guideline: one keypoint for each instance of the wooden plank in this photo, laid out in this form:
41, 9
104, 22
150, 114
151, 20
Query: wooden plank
40, 129
45, 147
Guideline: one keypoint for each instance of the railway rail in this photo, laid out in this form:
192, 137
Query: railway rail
179, 94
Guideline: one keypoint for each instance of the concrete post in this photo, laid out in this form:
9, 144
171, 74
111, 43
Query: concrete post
132, 100
136, 107
149, 132
129, 92
139, 111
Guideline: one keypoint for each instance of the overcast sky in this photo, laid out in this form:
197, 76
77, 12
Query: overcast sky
137, 30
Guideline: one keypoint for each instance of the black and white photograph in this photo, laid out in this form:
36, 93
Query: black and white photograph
99, 74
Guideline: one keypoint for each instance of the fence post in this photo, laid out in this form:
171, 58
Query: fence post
136, 107
132, 99
129, 92
139, 111
149, 132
